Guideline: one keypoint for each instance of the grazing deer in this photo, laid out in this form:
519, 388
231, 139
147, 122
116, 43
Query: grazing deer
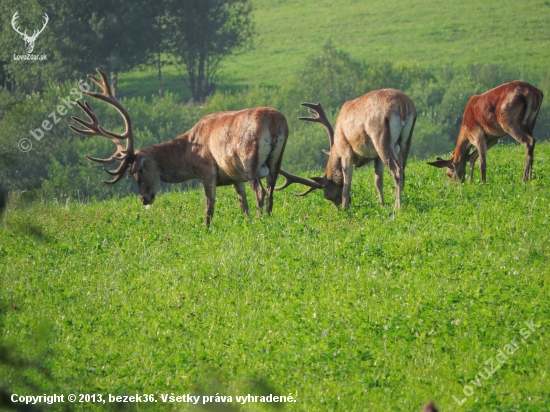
225, 148
29, 40
509, 109
377, 126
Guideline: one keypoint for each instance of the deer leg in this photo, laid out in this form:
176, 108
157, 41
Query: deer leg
252, 172
530, 149
383, 144
472, 160
528, 142
259, 191
478, 140
397, 172
405, 149
241, 195
210, 192
271, 180
482, 149
379, 179
395, 169
475, 154
347, 171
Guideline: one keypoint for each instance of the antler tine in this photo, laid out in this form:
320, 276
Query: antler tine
311, 189
108, 97
93, 129
116, 179
103, 83
14, 18
102, 161
290, 178
80, 131
37, 32
120, 170
46, 20
320, 117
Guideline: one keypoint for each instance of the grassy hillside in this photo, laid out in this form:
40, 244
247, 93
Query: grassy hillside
507, 33
354, 310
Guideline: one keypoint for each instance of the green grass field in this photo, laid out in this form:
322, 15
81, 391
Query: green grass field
507, 33
354, 310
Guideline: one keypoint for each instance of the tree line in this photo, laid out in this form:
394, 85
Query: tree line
120, 36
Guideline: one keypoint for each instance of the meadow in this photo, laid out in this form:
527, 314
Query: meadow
366, 309
507, 33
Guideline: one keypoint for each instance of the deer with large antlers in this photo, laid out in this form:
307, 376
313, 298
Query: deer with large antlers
509, 109
29, 40
224, 148
377, 126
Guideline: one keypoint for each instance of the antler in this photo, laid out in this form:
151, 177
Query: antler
125, 155
15, 17
320, 117
37, 32
290, 178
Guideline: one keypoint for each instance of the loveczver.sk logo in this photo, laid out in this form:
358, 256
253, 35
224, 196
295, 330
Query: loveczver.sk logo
29, 40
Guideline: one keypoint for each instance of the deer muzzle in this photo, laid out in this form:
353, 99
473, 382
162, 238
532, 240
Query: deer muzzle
147, 199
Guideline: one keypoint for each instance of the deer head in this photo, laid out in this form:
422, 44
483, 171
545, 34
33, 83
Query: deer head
456, 171
140, 164
29, 40
332, 190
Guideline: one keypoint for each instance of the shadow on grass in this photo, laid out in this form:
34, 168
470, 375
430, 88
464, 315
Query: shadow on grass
20, 201
19, 366
255, 386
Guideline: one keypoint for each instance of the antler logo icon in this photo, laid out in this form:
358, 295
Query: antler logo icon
29, 40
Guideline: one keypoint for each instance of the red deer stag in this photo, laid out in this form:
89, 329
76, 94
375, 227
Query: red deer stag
225, 148
509, 109
376, 126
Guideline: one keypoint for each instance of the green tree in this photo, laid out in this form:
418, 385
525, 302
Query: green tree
66, 41
156, 44
202, 32
79, 36
123, 32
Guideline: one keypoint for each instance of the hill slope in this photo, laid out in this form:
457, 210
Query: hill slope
346, 310
507, 33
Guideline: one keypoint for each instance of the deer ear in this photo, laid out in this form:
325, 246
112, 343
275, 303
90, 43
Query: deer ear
441, 163
137, 166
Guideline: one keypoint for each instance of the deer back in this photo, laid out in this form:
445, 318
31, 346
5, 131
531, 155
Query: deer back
506, 104
224, 142
372, 120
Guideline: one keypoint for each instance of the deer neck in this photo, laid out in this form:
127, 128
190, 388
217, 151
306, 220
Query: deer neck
169, 158
333, 172
463, 145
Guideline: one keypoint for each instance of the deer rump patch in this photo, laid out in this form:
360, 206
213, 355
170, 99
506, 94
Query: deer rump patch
233, 167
